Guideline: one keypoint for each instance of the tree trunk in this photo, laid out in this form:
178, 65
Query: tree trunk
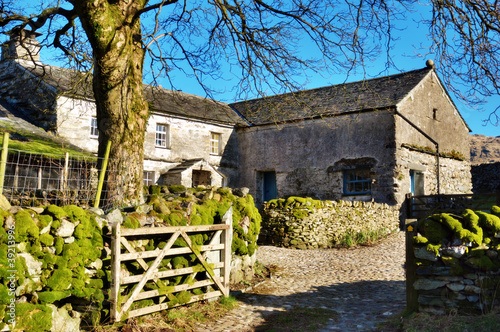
122, 111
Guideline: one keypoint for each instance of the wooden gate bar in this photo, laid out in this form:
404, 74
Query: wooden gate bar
165, 274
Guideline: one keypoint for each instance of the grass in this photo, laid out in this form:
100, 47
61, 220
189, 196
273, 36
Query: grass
31, 142
180, 319
423, 322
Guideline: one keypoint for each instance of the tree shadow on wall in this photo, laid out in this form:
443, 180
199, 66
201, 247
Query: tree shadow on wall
356, 306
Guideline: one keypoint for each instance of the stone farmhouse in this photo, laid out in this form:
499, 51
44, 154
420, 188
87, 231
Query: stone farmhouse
376, 139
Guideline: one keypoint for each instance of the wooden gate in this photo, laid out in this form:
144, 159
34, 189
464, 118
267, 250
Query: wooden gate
209, 277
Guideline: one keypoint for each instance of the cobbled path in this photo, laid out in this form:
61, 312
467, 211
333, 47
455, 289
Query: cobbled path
361, 286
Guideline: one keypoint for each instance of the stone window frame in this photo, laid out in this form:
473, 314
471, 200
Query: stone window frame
357, 181
94, 132
148, 178
162, 135
215, 143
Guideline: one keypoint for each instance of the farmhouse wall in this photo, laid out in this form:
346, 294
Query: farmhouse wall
455, 175
18, 87
430, 108
307, 224
309, 156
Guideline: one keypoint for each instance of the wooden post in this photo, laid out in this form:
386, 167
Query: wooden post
3, 161
64, 175
227, 239
40, 174
115, 271
410, 265
101, 175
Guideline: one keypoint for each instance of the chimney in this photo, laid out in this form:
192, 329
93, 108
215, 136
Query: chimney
22, 45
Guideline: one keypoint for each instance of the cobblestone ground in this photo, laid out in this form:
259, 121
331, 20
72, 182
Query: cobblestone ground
360, 286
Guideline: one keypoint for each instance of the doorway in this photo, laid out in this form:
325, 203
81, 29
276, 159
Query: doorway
201, 178
269, 188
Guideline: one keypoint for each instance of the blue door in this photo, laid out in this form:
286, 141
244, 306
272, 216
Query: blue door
270, 191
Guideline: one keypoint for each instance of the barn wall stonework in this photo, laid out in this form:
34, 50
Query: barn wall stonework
309, 157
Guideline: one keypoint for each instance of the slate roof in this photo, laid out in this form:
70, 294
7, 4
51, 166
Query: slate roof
77, 84
11, 120
377, 93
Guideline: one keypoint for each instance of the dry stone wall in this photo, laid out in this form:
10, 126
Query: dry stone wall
305, 223
458, 262
55, 261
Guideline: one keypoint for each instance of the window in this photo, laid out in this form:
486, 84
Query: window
214, 143
94, 133
148, 178
357, 182
161, 135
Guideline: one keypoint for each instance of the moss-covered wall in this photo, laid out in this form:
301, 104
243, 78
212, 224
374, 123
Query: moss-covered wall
307, 223
58, 258
51, 255
457, 262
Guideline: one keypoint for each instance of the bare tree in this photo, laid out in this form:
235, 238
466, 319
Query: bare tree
261, 39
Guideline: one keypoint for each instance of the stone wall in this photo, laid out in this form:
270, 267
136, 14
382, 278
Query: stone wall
309, 157
305, 223
55, 261
455, 176
486, 178
457, 263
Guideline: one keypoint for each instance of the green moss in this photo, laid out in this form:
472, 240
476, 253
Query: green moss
483, 263
179, 262
52, 296
433, 248
3, 215
59, 244
176, 218
25, 226
131, 222
96, 283
183, 297
433, 230
495, 210
49, 260
55, 211
300, 213
176, 189
43, 221
47, 239
155, 190
489, 222
33, 317
420, 240
60, 279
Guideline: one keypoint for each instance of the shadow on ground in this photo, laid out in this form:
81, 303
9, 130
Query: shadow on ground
349, 306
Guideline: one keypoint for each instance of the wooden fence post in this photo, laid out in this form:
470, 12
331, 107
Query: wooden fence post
410, 265
227, 239
3, 161
101, 175
115, 271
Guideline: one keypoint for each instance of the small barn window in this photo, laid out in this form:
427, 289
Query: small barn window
357, 182
94, 132
215, 143
161, 135
148, 178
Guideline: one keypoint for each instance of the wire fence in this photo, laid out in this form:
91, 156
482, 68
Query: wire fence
34, 179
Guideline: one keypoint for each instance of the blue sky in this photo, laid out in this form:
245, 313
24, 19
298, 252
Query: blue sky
405, 56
